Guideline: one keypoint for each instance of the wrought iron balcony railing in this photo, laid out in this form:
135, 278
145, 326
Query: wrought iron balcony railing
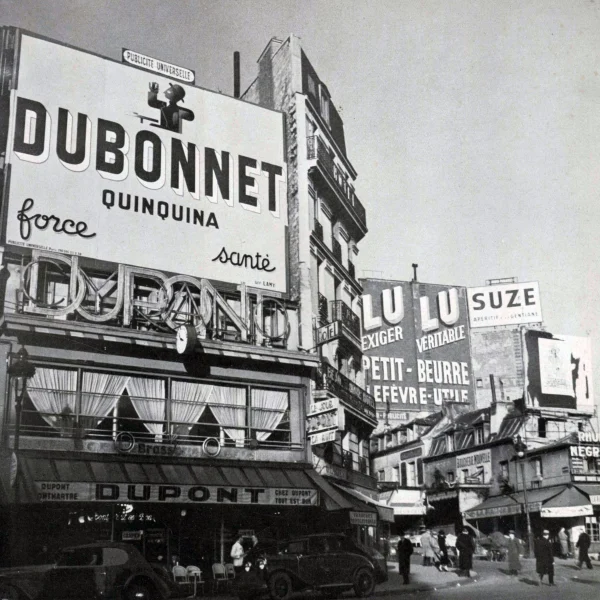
330, 379
316, 149
318, 230
340, 311
336, 248
323, 310
352, 270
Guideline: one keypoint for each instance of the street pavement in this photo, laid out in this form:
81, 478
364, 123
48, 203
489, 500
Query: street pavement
491, 579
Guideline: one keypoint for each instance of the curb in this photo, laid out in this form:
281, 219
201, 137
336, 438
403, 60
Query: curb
426, 587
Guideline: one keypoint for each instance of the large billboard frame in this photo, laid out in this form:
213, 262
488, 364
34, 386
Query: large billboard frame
278, 285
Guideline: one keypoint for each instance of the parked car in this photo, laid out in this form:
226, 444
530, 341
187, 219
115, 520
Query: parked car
329, 563
100, 570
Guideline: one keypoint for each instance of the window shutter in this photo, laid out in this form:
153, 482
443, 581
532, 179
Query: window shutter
403, 474
419, 471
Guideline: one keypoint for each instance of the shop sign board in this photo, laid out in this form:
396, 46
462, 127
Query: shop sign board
329, 332
416, 348
112, 163
55, 491
155, 65
477, 466
567, 511
320, 406
131, 536
363, 518
558, 371
323, 437
506, 304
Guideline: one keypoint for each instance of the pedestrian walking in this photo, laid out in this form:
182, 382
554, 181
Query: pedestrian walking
514, 548
404, 551
427, 548
466, 548
563, 540
443, 554
583, 543
544, 558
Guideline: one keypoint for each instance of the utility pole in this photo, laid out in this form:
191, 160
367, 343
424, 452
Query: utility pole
521, 450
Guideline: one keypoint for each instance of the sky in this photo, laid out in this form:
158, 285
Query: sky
474, 126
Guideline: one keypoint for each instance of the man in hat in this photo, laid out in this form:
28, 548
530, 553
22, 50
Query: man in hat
514, 547
544, 559
404, 551
583, 543
171, 114
466, 548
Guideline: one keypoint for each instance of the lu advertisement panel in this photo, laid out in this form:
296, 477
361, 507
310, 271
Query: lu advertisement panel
415, 341
111, 162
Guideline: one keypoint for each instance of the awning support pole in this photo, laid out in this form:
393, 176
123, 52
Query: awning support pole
222, 541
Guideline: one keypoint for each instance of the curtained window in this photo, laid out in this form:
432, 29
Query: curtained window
53, 393
268, 409
188, 401
228, 405
148, 398
100, 394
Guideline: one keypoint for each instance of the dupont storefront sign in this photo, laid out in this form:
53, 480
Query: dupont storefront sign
114, 163
416, 345
52, 491
506, 304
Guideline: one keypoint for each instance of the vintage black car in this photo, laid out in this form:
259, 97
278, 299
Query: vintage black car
107, 570
329, 563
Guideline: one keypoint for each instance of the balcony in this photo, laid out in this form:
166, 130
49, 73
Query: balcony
316, 149
336, 248
352, 270
360, 402
340, 311
318, 230
323, 310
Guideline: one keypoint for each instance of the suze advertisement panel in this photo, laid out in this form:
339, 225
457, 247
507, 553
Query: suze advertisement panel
506, 304
416, 346
114, 163
559, 371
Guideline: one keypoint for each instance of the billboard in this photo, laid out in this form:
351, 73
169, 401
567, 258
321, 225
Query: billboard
558, 371
416, 347
114, 163
506, 304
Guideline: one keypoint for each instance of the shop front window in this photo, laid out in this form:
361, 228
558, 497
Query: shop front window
94, 404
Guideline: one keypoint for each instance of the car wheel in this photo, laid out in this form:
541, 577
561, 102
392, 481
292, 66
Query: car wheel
364, 583
139, 591
8, 592
280, 586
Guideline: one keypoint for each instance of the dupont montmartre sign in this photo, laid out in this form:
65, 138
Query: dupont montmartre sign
113, 163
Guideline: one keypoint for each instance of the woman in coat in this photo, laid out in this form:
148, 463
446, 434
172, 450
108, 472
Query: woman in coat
563, 540
427, 548
515, 549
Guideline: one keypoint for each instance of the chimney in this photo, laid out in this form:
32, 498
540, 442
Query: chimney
236, 74
265, 73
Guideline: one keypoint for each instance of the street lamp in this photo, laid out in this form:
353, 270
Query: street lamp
521, 450
20, 371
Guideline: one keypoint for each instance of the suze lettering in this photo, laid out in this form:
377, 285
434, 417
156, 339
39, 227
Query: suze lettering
510, 298
40, 221
254, 184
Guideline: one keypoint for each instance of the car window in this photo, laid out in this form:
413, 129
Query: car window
295, 547
80, 557
320, 545
114, 556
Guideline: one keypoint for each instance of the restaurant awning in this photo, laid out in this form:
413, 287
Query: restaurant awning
56, 480
592, 491
404, 502
385, 512
512, 504
569, 503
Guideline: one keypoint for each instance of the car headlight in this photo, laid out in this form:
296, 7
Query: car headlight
261, 563
247, 566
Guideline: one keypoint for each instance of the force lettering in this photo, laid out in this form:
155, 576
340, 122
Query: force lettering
154, 162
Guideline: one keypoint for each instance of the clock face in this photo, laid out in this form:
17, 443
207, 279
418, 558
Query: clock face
186, 339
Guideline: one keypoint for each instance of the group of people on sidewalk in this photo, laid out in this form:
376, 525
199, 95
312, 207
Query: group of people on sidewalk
435, 552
